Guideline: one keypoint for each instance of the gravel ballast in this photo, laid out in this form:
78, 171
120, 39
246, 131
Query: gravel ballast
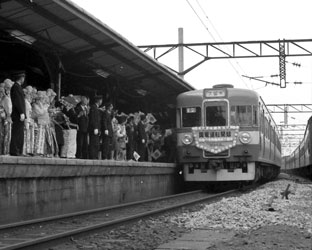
260, 219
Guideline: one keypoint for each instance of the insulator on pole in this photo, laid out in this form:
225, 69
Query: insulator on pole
282, 64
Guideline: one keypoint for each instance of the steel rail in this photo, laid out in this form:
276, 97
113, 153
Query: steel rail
91, 211
58, 237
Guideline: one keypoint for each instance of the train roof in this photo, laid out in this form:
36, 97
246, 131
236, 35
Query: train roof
236, 95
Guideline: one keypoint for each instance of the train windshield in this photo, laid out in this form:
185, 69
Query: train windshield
191, 117
216, 113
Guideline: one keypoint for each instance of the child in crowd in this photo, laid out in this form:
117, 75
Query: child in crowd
121, 137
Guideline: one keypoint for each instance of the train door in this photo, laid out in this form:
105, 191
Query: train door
263, 131
270, 139
260, 127
309, 150
274, 144
309, 144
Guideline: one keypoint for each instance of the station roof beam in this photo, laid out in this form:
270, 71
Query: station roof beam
84, 44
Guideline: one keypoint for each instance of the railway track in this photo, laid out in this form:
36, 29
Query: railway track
45, 232
295, 178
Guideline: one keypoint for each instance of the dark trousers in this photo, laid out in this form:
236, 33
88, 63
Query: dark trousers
94, 146
17, 139
142, 151
82, 145
130, 150
106, 147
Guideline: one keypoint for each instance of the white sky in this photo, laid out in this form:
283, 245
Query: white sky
145, 22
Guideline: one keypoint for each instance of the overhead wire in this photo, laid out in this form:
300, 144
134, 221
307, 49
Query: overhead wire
219, 36
214, 28
202, 22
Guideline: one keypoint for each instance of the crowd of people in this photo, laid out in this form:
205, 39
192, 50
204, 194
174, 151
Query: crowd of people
33, 123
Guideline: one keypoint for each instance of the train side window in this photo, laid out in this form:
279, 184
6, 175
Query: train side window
244, 115
233, 115
191, 117
263, 122
266, 125
274, 137
178, 118
255, 115
301, 150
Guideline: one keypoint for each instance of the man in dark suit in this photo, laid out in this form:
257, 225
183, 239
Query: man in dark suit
94, 128
142, 138
130, 129
82, 111
107, 131
18, 114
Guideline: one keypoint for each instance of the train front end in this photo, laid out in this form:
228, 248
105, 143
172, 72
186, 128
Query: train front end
218, 134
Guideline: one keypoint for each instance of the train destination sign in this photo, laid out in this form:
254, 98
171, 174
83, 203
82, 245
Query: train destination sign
208, 93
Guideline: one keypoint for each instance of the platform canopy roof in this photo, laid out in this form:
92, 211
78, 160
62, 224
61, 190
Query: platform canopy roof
77, 37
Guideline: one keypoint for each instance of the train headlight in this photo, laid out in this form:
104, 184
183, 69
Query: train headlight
187, 139
245, 137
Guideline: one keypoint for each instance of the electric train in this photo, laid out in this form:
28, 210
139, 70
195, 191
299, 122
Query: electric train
226, 134
299, 162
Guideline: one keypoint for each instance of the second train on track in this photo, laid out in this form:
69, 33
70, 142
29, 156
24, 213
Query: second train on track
299, 162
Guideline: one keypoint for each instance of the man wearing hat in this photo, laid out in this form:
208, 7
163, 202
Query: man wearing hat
107, 131
95, 128
18, 114
82, 111
142, 138
131, 135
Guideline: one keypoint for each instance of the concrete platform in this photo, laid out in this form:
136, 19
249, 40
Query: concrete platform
36, 167
199, 239
34, 187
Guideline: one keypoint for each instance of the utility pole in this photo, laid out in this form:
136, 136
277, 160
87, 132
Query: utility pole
286, 115
181, 52
59, 80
